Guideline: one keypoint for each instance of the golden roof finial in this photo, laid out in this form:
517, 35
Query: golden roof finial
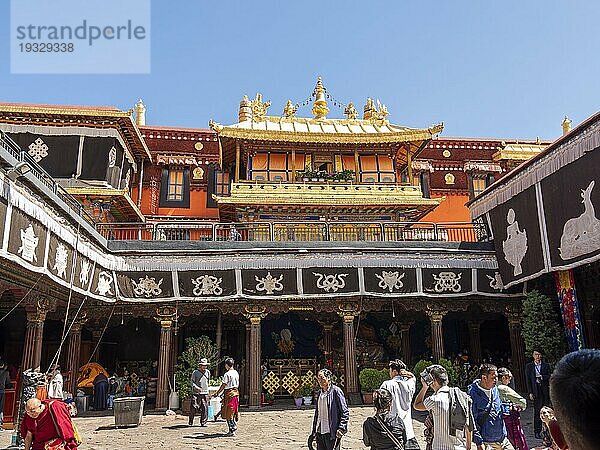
289, 110
259, 108
566, 125
350, 111
320, 108
245, 111
140, 113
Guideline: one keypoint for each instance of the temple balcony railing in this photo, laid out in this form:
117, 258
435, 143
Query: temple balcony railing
292, 231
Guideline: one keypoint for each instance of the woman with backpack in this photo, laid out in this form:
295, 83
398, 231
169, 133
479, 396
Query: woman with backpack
382, 432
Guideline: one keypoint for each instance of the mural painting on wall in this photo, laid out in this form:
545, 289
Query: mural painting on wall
283, 340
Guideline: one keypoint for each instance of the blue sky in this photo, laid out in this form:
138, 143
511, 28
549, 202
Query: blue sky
508, 69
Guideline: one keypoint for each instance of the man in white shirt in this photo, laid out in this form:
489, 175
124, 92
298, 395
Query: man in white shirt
402, 385
439, 405
231, 397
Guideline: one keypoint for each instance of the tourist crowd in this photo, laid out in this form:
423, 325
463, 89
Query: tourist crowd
486, 417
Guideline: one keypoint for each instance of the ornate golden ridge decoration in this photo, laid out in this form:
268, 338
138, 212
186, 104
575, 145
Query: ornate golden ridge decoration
342, 138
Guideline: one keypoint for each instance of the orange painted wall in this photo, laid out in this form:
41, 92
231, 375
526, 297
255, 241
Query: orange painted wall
452, 209
197, 209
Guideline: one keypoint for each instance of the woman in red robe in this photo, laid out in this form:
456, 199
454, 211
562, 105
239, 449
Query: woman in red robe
47, 422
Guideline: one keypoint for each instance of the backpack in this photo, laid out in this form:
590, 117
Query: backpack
460, 411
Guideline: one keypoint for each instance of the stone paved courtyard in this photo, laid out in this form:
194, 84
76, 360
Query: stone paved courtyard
270, 428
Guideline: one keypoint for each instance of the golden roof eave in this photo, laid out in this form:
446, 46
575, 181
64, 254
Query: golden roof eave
518, 152
38, 109
402, 135
48, 110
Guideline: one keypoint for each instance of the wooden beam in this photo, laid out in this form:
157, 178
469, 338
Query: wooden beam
293, 165
237, 161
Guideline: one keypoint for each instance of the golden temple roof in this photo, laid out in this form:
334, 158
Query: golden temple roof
297, 129
374, 128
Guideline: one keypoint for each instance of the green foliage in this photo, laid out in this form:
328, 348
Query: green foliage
451, 369
371, 379
305, 391
195, 349
542, 327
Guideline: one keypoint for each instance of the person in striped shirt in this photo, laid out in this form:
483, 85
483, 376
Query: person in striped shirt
439, 406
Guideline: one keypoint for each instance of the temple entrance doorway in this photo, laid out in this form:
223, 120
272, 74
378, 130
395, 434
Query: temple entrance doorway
292, 350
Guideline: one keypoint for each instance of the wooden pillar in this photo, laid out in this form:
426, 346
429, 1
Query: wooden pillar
37, 309
164, 316
406, 345
409, 170
475, 340
73, 354
293, 165
247, 366
356, 166
351, 374
327, 345
517, 346
140, 183
437, 333
254, 366
32, 348
238, 160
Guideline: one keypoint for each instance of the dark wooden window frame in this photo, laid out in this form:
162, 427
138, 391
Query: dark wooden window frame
164, 188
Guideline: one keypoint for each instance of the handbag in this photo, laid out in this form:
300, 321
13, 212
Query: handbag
387, 431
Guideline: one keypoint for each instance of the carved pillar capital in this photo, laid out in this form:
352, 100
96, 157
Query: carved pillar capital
38, 306
165, 315
328, 327
255, 313
348, 311
436, 315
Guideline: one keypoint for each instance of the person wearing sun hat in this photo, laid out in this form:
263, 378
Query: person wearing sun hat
200, 381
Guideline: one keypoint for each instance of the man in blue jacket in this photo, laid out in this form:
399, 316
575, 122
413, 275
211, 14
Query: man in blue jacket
490, 433
331, 414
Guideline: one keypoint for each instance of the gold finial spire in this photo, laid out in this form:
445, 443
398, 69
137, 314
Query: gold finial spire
289, 110
245, 112
566, 125
140, 113
320, 108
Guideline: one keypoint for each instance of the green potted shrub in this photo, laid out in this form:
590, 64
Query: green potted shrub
195, 349
370, 379
298, 397
306, 393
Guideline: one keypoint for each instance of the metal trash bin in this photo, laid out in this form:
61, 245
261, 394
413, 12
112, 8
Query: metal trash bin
82, 404
128, 411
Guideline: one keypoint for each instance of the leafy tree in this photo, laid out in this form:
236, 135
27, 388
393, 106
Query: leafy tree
195, 349
542, 328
